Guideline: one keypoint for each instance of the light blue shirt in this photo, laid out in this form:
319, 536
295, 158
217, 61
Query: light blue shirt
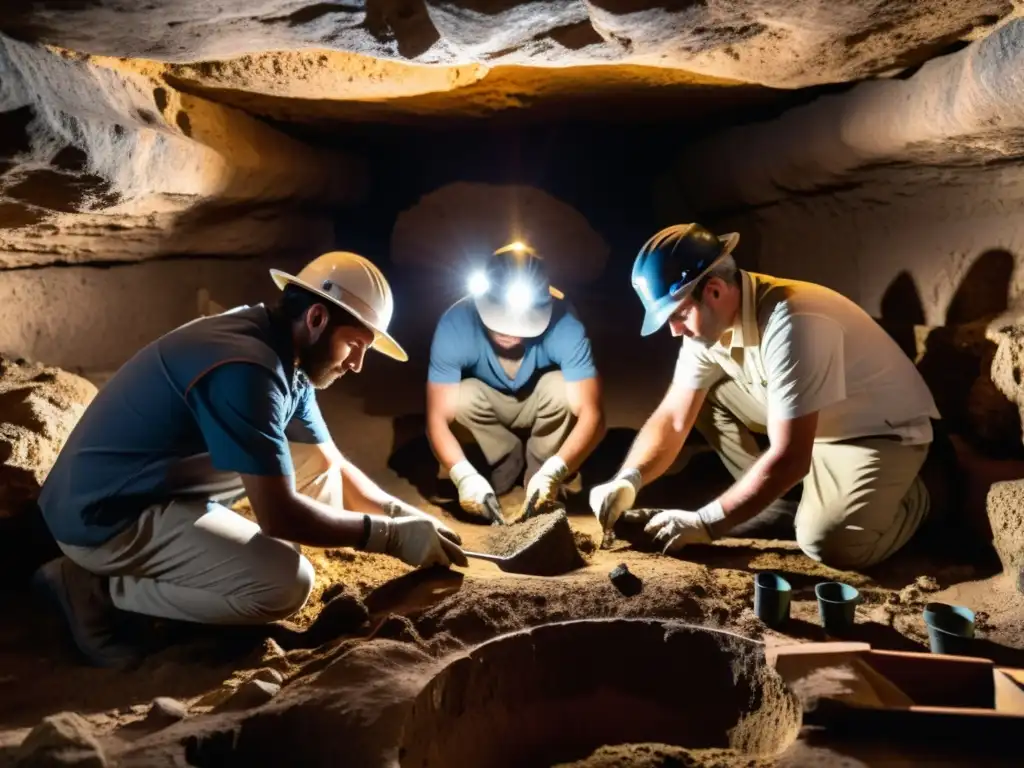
462, 349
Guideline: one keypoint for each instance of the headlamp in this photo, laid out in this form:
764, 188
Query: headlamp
519, 296
478, 283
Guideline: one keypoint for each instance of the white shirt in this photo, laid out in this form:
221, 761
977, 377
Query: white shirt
799, 347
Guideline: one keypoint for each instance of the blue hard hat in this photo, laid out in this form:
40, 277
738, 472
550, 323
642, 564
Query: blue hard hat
669, 265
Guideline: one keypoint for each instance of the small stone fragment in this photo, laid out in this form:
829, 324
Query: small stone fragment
253, 693
64, 739
269, 675
927, 584
164, 711
626, 582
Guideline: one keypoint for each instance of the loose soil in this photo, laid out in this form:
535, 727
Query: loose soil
390, 625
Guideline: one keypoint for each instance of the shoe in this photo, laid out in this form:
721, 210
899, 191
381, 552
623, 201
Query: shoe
84, 601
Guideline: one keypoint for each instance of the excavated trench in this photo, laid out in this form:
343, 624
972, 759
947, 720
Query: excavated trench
559, 692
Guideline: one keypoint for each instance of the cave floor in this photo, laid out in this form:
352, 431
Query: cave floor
444, 612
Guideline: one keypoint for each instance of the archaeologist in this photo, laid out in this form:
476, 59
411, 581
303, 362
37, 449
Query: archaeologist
844, 410
217, 409
512, 357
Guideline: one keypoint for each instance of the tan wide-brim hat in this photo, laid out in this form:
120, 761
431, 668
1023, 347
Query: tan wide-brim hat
356, 285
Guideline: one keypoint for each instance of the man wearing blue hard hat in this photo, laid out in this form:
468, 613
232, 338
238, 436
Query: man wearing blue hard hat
511, 370
844, 410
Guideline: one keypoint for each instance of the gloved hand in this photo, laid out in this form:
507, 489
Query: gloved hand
609, 500
546, 481
473, 488
397, 509
412, 540
673, 529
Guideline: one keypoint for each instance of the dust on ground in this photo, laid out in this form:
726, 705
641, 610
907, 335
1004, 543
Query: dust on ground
663, 755
438, 611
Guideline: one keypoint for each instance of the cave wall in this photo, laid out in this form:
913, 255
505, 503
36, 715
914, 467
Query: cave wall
103, 162
913, 178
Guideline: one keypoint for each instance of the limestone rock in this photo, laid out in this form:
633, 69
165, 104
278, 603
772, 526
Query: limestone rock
163, 712
463, 223
64, 739
773, 42
39, 406
1005, 505
960, 108
253, 693
103, 160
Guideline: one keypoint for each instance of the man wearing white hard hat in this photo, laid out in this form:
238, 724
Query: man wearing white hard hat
217, 409
509, 361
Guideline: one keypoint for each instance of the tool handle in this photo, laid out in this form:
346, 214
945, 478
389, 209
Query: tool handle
484, 556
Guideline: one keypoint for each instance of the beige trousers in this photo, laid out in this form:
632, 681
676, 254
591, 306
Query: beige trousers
862, 500
192, 560
490, 417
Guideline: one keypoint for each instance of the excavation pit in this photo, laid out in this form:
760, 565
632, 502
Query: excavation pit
559, 692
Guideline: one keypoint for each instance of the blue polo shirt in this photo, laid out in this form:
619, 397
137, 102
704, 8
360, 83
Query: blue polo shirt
462, 349
213, 399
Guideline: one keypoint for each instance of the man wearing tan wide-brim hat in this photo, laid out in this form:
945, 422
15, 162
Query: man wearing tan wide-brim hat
220, 408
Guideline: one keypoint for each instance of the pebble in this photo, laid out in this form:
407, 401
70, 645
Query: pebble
253, 693
165, 711
626, 582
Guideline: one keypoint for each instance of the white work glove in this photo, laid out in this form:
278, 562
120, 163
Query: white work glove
413, 540
397, 509
473, 488
609, 500
673, 529
546, 481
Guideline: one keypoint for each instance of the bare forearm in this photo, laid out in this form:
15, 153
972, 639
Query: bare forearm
767, 480
309, 522
656, 446
360, 492
444, 443
583, 438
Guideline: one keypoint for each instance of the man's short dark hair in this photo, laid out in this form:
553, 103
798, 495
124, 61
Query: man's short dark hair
295, 301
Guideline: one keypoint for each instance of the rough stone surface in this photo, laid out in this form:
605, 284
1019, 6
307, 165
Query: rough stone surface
165, 711
461, 224
1005, 504
252, 693
1008, 364
39, 406
64, 739
957, 109
774, 42
103, 160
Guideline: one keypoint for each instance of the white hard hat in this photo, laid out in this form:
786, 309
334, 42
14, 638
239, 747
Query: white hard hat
356, 285
515, 267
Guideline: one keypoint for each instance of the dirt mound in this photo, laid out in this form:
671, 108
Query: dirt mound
482, 609
663, 755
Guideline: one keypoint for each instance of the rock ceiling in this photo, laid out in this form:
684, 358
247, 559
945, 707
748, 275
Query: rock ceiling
134, 130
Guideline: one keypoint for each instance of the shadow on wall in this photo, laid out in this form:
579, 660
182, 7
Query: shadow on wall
955, 359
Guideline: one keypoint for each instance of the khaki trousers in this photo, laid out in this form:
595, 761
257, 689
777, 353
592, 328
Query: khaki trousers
195, 560
490, 418
862, 500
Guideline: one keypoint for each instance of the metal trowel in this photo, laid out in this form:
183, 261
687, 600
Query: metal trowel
551, 553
